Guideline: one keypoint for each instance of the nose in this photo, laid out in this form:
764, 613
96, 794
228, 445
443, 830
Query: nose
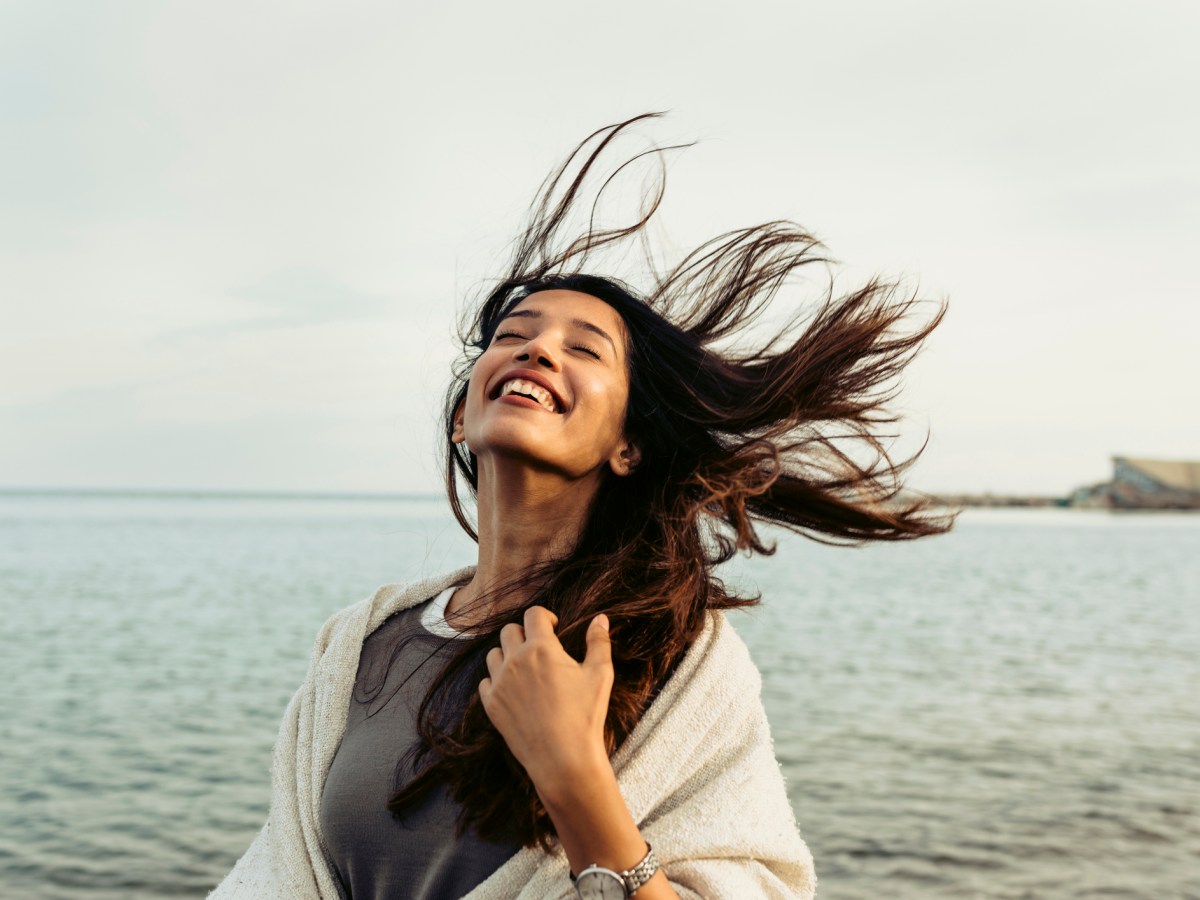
537, 350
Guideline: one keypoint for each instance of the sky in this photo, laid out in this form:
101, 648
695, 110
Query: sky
235, 237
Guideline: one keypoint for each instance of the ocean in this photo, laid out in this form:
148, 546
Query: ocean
1011, 710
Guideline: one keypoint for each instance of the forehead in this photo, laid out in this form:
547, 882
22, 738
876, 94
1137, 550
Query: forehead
573, 308
570, 304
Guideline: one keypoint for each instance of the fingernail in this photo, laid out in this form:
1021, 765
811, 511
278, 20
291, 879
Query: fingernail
603, 620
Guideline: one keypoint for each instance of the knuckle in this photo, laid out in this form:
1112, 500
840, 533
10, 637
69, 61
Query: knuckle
538, 651
540, 614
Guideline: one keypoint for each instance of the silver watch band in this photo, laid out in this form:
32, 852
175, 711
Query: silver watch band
632, 878
642, 872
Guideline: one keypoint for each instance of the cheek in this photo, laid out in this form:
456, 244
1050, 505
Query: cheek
474, 391
613, 402
476, 382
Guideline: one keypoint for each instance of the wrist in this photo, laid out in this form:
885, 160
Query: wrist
592, 880
571, 783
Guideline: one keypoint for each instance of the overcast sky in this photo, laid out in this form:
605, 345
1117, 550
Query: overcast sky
234, 236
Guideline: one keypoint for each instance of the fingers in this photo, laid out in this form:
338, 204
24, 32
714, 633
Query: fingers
485, 691
540, 622
494, 660
512, 636
539, 629
599, 643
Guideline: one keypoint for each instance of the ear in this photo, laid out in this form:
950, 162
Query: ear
626, 459
459, 436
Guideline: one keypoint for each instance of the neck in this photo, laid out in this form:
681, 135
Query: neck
526, 518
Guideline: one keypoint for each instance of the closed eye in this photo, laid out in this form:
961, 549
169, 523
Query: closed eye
581, 347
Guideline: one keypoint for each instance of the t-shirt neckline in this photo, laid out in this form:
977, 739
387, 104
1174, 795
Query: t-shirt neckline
433, 616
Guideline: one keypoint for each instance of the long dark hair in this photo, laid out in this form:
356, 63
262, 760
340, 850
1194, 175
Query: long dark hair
787, 431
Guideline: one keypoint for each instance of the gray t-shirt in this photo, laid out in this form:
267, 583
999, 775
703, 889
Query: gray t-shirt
376, 855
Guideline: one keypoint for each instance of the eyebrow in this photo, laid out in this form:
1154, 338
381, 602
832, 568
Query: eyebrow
577, 323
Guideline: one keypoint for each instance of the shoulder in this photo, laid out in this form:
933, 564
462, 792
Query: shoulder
718, 661
342, 634
714, 691
730, 649
387, 600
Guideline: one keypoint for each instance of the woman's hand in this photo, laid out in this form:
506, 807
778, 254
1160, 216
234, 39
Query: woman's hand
549, 708
550, 711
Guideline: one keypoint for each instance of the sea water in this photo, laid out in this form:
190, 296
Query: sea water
1011, 710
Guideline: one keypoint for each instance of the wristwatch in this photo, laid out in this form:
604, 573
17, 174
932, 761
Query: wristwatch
599, 883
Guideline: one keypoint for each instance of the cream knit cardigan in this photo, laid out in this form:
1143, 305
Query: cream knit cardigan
698, 773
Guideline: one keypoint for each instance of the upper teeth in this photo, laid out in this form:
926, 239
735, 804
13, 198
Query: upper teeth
537, 392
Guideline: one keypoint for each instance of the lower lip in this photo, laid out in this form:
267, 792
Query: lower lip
518, 400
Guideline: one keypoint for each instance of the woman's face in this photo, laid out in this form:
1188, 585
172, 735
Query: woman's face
551, 388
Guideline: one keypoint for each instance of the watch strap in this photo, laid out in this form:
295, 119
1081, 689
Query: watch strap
633, 878
641, 873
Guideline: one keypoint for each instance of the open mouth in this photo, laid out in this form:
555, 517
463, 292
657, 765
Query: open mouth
520, 387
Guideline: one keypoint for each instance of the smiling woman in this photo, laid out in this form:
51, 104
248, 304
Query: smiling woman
573, 715
543, 358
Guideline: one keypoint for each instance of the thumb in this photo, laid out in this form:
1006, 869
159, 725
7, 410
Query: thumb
599, 643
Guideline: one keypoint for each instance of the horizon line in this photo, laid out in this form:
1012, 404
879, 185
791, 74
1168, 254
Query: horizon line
286, 494
216, 493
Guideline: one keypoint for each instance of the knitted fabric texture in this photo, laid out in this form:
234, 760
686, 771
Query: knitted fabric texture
698, 774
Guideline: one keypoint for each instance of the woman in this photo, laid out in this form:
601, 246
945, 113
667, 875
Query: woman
573, 716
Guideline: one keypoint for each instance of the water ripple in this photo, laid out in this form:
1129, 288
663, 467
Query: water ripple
1004, 712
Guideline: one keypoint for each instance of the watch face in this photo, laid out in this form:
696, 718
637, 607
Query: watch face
600, 884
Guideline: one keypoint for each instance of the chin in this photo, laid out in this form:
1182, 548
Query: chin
532, 456
511, 444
